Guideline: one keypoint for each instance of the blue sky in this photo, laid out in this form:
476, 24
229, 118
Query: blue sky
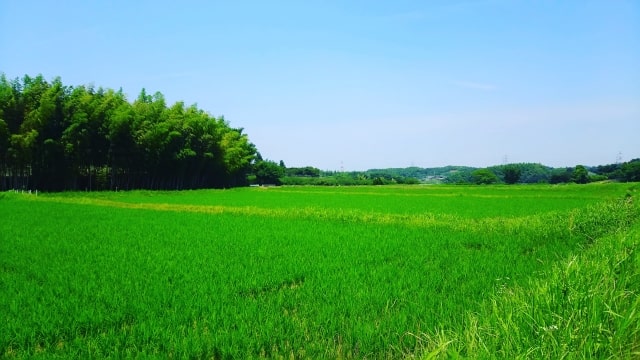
362, 84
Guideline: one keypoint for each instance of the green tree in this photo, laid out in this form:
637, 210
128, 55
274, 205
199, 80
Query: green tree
460, 177
580, 175
238, 154
4, 149
10, 103
631, 170
121, 146
559, 176
268, 172
379, 180
534, 173
57, 137
49, 167
307, 171
484, 177
511, 174
20, 154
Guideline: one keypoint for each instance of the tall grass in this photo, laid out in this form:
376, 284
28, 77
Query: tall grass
585, 307
292, 273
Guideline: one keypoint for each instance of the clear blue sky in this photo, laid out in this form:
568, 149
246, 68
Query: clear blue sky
362, 84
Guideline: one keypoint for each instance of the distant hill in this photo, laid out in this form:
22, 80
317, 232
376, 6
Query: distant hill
529, 173
522, 173
426, 175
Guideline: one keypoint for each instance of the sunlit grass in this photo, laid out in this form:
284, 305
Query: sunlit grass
586, 306
287, 272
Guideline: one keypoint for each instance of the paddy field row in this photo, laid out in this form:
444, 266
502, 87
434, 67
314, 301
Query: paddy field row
292, 272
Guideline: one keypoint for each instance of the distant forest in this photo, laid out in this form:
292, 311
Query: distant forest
55, 137
524, 173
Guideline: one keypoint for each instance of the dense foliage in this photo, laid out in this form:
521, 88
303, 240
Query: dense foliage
58, 137
484, 177
267, 172
520, 173
627, 171
512, 174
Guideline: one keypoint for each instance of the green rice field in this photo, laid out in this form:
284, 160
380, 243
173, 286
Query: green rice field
322, 272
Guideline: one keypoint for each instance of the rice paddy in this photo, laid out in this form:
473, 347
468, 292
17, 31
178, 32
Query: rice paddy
290, 272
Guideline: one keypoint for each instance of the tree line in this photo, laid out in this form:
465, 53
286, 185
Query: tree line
56, 137
520, 173
537, 173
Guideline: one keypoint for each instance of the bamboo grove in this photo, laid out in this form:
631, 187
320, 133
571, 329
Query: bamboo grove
55, 137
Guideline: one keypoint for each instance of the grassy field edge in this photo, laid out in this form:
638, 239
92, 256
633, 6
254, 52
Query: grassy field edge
587, 306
